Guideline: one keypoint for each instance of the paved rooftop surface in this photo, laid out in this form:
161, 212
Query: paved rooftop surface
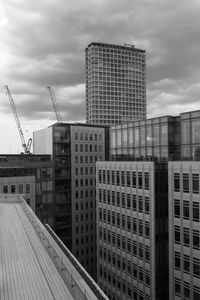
26, 269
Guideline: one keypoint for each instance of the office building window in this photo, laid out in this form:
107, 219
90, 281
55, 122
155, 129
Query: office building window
128, 201
134, 202
196, 216
186, 211
128, 182
185, 182
186, 264
186, 290
177, 286
176, 182
108, 177
177, 208
196, 267
12, 189
177, 234
122, 178
196, 239
146, 181
140, 203
146, 205
195, 183
186, 237
5, 189
21, 189
177, 261
140, 180
134, 179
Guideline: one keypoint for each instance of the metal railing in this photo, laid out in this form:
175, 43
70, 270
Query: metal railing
77, 290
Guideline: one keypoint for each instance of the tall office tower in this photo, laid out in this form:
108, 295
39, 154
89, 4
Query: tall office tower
132, 248
184, 230
115, 84
75, 148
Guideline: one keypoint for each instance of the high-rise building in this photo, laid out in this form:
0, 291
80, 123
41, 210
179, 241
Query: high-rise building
184, 230
132, 245
167, 150
115, 84
75, 148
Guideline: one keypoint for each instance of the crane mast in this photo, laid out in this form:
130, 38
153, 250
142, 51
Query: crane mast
55, 104
26, 147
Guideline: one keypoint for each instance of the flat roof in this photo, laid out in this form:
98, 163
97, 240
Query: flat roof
122, 47
33, 266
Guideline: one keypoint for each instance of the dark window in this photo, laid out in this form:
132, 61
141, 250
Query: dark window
108, 177
140, 180
186, 264
128, 182
134, 179
185, 182
146, 205
196, 211
146, 181
186, 237
186, 211
177, 234
128, 201
177, 261
177, 286
12, 189
177, 208
5, 189
196, 267
140, 204
118, 179
134, 202
176, 182
195, 183
196, 239
123, 178
186, 291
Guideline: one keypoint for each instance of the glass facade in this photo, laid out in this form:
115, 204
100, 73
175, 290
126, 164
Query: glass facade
152, 139
190, 138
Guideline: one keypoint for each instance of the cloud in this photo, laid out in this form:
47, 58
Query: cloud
43, 43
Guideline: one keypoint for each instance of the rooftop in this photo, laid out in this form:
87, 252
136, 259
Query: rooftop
33, 265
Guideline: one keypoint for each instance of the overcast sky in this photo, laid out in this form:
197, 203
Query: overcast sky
43, 43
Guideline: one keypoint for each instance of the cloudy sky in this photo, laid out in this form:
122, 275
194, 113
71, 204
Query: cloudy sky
43, 43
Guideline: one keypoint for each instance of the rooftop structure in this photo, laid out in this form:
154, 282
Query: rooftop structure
34, 262
115, 84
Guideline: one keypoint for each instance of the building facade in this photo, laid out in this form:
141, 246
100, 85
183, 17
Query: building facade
184, 230
75, 149
32, 177
132, 230
164, 138
151, 139
115, 84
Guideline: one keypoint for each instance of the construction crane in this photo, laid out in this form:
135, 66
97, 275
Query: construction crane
27, 147
55, 104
